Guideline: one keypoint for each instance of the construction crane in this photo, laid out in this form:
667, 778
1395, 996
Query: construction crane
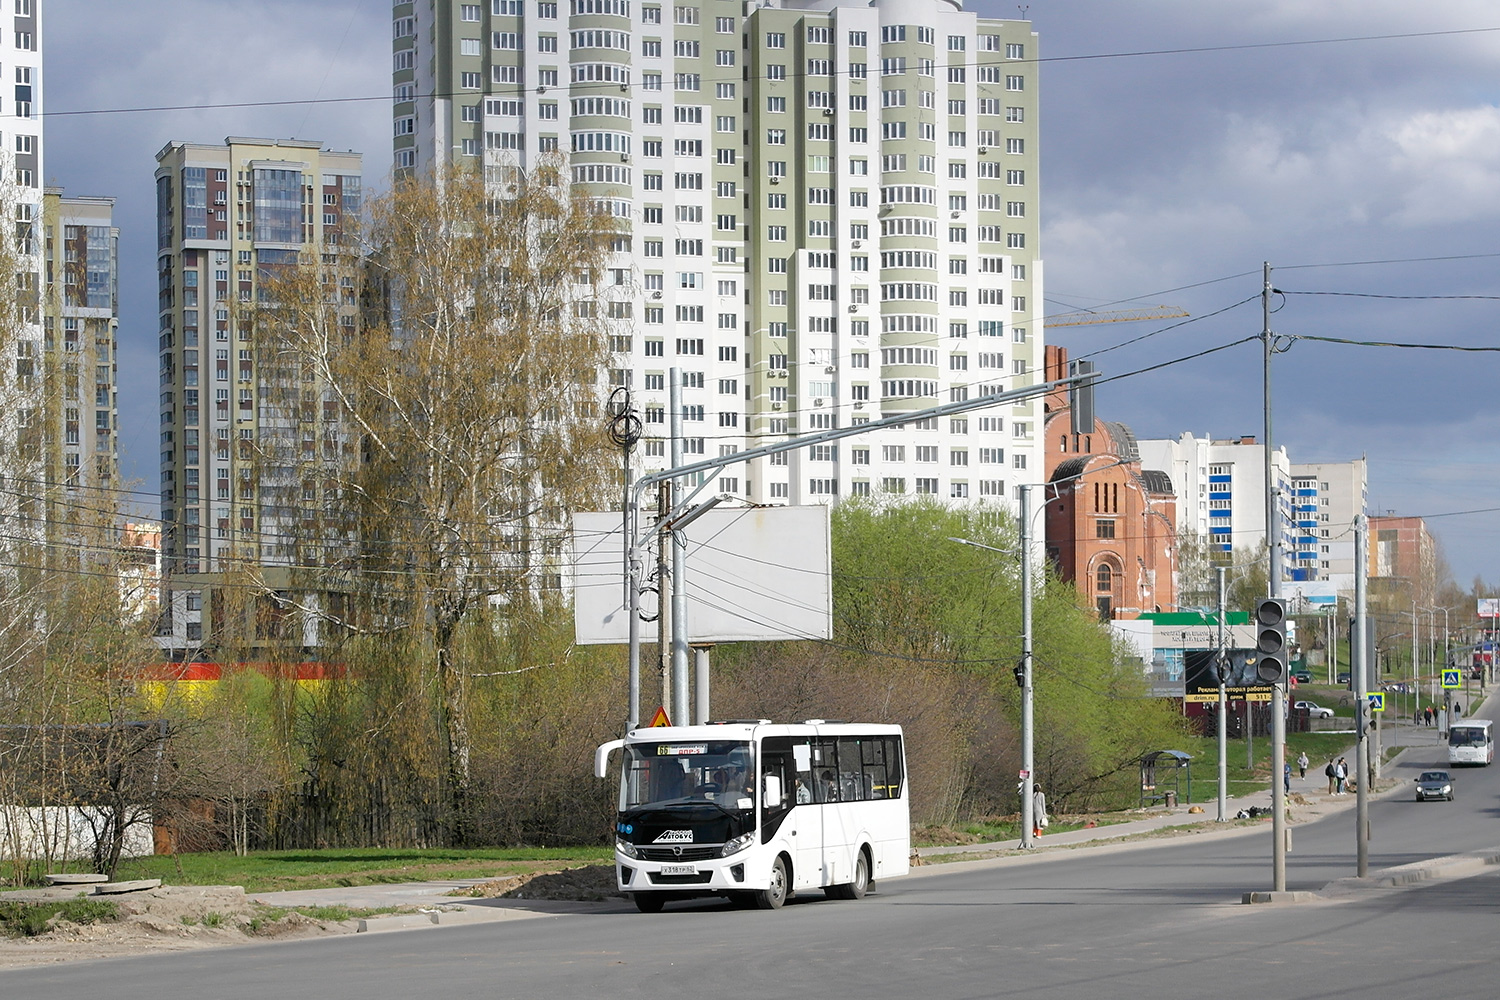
1089, 317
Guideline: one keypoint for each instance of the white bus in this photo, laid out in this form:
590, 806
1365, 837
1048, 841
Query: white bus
1471, 742
756, 811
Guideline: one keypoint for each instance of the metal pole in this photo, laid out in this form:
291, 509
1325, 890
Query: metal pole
664, 595
679, 567
1223, 718
1273, 540
1357, 667
1414, 627
1249, 738
700, 684
632, 601
1028, 763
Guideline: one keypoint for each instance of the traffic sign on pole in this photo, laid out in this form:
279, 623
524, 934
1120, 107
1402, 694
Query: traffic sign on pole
1451, 679
1377, 701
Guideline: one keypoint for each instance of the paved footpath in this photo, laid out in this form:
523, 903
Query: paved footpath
1309, 800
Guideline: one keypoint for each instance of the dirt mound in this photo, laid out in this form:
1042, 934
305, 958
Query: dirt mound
169, 918
589, 884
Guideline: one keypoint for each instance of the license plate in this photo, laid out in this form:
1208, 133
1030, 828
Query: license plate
678, 870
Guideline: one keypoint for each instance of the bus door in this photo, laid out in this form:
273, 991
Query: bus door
833, 786
806, 820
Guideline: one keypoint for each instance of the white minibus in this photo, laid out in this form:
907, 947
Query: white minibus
1471, 742
755, 811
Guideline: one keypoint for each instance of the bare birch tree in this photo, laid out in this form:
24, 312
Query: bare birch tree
463, 409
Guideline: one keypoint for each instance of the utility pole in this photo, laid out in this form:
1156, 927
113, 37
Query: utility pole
625, 431
664, 594
1357, 666
1028, 763
679, 566
1273, 540
1223, 716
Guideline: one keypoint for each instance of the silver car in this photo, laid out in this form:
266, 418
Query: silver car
1434, 785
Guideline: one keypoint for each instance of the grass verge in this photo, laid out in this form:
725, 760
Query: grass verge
271, 871
19, 919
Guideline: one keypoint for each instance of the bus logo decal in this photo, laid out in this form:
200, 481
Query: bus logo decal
675, 837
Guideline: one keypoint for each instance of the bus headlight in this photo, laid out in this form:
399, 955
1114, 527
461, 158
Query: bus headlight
737, 844
626, 848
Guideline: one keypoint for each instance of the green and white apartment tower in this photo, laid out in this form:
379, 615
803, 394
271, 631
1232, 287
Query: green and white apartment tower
831, 213
239, 424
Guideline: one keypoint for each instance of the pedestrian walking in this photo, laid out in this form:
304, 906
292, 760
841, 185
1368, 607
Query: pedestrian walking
1340, 775
1286, 777
1302, 766
1332, 773
1039, 820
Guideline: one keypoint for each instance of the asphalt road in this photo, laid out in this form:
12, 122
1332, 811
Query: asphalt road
1161, 919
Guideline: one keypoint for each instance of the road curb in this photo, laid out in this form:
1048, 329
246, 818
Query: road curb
1451, 866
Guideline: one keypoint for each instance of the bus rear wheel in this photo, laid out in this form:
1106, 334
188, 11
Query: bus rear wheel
649, 902
860, 885
772, 897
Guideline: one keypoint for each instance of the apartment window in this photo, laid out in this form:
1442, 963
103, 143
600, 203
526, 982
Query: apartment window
1103, 527
1015, 82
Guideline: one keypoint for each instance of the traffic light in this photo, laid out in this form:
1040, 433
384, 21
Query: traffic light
1270, 640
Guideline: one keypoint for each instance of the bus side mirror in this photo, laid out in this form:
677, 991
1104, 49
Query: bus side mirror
773, 791
601, 757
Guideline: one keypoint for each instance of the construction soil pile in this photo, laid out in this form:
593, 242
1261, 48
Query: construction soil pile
589, 884
168, 918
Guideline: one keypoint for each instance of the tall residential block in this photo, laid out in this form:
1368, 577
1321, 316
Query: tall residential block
80, 321
1221, 491
27, 448
1221, 498
1326, 496
829, 214
227, 217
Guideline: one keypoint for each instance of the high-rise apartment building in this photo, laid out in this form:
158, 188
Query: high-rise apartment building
1221, 487
80, 320
1326, 497
829, 214
227, 217
1221, 498
24, 443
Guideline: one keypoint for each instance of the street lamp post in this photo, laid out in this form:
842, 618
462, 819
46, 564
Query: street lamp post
1028, 755
1024, 675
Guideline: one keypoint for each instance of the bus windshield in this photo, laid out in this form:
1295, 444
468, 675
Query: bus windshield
669, 775
1466, 736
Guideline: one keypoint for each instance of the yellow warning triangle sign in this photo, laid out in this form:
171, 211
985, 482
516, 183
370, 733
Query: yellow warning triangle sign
659, 719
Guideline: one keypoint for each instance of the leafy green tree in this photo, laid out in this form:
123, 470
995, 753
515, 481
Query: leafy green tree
903, 589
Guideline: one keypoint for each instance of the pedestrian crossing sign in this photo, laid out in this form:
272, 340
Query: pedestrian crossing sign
1450, 679
1377, 701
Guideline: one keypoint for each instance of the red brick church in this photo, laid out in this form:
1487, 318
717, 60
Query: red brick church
1111, 526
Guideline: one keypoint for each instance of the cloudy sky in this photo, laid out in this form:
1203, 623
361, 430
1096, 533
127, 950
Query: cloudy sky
1360, 165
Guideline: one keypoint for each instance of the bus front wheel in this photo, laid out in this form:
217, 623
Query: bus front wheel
773, 896
649, 902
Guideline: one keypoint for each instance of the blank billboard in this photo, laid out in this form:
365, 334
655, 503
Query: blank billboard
757, 573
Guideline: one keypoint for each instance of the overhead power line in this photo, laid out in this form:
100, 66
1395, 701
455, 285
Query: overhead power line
1083, 57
